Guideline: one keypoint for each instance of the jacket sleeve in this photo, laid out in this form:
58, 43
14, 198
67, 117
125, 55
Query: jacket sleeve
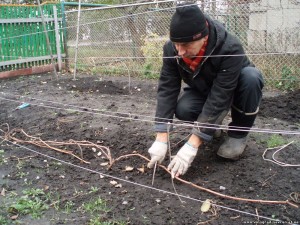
168, 90
221, 94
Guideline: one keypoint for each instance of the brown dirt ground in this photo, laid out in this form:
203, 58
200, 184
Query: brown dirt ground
103, 110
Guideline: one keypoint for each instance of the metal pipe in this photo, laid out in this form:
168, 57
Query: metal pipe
77, 37
83, 4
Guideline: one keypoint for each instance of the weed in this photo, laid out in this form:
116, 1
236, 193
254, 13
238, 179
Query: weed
95, 206
3, 220
69, 206
34, 192
76, 192
56, 165
145, 219
99, 221
2, 159
20, 165
28, 183
289, 79
13, 194
95, 221
30, 203
21, 174
26, 205
275, 140
55, 199
152, 50
93, 189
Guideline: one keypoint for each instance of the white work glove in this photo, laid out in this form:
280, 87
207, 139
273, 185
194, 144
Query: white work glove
157, 152
183, 160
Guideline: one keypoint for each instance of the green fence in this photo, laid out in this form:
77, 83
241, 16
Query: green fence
23, 42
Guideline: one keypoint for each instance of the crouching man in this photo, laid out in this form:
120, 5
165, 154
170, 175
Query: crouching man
219, 77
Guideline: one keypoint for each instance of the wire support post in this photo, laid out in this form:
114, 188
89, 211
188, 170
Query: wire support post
47, 38
77, 37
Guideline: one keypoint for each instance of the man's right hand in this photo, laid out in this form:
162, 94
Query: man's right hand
157, 152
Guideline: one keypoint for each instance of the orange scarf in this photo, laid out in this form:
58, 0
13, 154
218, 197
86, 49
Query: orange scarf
193, 63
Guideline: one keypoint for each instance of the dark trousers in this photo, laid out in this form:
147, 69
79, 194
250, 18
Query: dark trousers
244, 108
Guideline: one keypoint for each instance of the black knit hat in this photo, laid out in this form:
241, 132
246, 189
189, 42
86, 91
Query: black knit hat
188, 24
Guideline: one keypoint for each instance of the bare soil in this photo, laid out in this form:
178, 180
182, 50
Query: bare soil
117, 114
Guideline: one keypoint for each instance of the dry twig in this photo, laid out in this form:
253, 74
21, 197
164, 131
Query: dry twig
54, 145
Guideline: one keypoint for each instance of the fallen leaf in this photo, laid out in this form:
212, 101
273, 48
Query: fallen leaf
46, 188
205, 206
142, 169
113, 182
14, 217
129, 168
104, 164
118, 185
94, 149
3, 192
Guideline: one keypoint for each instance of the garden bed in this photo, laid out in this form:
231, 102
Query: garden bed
95, 113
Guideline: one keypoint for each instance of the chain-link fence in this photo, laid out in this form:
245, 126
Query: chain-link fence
129, 39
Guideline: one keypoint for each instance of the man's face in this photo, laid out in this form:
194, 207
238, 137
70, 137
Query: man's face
189, 49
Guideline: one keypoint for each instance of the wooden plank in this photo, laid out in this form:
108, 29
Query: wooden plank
27, 71
27, 20
30, 59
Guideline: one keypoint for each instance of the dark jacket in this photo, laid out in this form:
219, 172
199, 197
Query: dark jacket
215, 78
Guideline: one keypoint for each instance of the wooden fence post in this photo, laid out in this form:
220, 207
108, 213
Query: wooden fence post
57, 38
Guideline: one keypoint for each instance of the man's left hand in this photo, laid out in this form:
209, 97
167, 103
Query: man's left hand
183, 160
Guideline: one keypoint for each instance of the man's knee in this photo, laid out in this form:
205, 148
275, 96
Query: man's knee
249, 91
185, 112
251, 78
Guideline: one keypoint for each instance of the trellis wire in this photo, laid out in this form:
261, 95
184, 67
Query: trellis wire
150, 119
138, 184
124, 26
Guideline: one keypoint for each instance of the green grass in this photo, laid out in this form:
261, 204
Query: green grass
90, 60
100, 51
98, 221
280, 72
35, 202
93, 189
4, 221
69, 206
32, 203
28, 201
96, 208
3, 160
275, 140
96, 205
